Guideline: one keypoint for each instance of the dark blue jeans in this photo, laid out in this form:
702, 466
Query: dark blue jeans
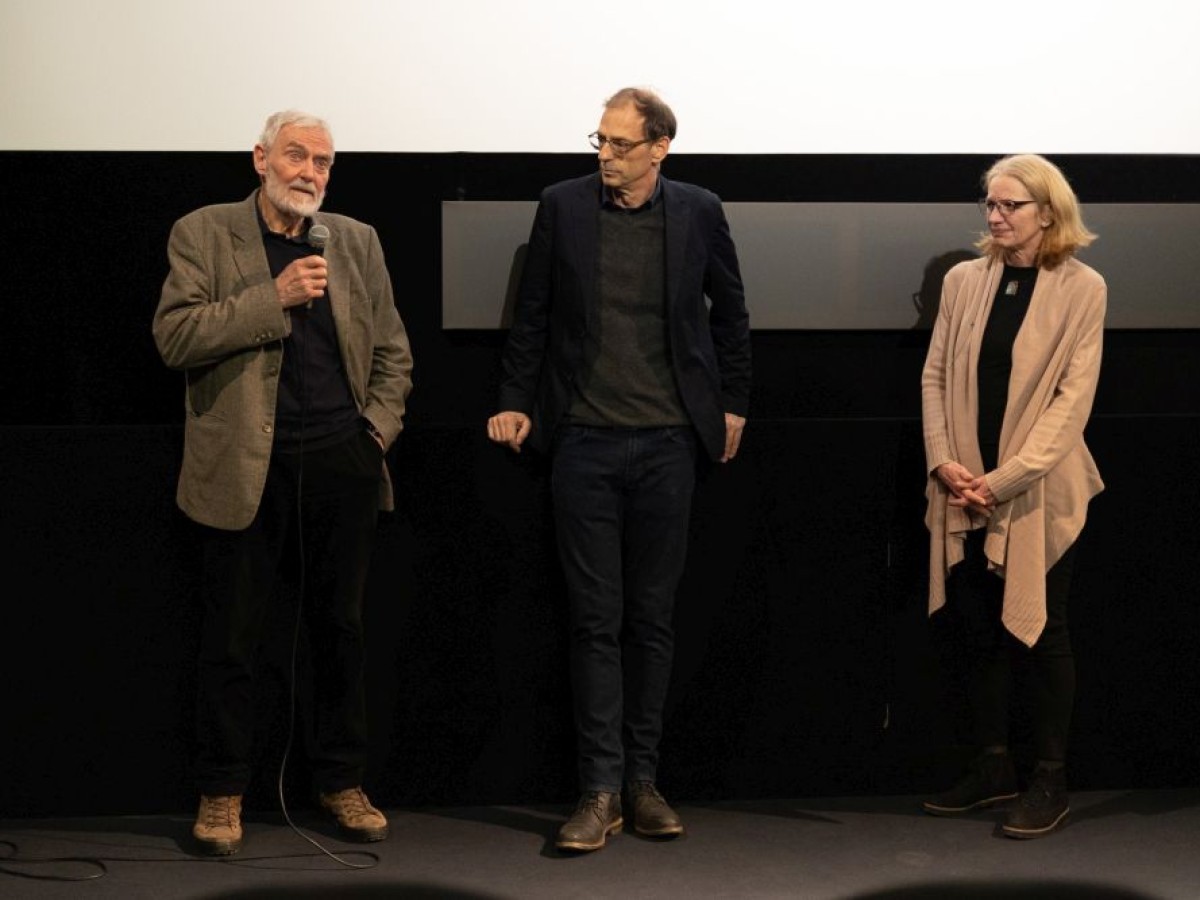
622, 502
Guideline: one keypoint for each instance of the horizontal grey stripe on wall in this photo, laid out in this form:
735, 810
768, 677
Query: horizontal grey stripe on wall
850, 265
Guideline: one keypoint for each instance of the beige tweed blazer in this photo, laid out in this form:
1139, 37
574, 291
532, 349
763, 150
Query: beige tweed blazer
220, 322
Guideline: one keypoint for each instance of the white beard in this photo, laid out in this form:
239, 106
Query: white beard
290, 202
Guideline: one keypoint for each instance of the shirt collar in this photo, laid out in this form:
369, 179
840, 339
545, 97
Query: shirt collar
606, 200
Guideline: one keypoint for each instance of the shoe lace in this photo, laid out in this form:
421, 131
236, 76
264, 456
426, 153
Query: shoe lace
218, 811
352, 802
593, 802
645, 789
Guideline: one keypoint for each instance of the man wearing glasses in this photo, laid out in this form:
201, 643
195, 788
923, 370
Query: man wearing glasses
618, 367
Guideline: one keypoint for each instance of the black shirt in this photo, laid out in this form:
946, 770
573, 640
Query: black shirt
995, 355
314, 406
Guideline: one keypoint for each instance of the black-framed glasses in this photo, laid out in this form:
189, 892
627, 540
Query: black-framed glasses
619, 146
1006, 207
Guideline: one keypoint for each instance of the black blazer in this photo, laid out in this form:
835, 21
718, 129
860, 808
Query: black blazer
556, 309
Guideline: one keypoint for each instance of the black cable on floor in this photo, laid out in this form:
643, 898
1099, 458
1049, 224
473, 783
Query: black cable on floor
14, 856
98, 863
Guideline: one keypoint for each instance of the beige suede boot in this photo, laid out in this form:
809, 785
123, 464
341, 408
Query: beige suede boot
218, 828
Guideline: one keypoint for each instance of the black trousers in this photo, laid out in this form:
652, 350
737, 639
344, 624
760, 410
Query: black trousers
1048, 667
324, 504
622, 502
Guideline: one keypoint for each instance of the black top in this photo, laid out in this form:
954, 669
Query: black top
314, 407
995, 355
627, 380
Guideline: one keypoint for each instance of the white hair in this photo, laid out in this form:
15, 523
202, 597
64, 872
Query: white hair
286, 117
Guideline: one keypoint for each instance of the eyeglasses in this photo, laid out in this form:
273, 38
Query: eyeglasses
619, 146
1006, 207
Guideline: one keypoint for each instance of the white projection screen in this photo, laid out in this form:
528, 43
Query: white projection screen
935, 77
758, 76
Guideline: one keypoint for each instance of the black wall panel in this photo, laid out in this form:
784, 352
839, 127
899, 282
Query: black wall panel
805, 662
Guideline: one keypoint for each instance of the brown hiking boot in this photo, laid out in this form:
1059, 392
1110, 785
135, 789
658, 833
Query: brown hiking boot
218, 828
357, 819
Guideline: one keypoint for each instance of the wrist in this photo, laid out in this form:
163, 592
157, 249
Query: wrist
373, 431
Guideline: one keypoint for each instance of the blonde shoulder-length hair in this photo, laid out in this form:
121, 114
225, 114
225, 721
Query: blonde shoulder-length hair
1056, 202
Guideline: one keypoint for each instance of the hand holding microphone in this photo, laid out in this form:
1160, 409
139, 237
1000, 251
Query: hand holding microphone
318, 235
304, 280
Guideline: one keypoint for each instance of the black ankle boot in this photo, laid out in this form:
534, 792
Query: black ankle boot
1042, 808
990, 778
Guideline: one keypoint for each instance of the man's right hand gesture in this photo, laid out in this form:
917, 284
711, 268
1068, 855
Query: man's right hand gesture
509, 428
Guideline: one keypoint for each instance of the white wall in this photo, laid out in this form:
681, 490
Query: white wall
747, 76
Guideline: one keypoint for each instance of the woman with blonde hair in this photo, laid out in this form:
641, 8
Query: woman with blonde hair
1007, 389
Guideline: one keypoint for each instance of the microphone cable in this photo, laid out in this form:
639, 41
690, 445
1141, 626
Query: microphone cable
13, 864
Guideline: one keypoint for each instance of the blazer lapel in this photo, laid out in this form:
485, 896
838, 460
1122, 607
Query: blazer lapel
583, 227
249, 257
340, 267
678, 214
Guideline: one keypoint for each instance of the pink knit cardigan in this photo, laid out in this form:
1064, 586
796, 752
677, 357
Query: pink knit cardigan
1046, 476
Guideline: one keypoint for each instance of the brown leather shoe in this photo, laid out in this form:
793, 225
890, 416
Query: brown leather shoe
597, 815
652, 816
218, 828
357, 819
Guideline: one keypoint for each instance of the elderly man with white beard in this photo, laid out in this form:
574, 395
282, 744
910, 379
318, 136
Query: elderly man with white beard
296, 367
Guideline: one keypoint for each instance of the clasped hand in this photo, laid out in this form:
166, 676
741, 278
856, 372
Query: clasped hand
967, 490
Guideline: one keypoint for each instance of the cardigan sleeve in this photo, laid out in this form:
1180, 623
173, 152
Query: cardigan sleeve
933, 391
1059, 427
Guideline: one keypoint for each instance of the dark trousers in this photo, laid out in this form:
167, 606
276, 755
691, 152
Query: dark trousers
1048, 666
622, 501
325, 504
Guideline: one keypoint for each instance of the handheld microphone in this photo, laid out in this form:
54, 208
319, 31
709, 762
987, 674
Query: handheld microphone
318, 235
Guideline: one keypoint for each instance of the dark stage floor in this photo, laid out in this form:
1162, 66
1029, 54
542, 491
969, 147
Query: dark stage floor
1117, 844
